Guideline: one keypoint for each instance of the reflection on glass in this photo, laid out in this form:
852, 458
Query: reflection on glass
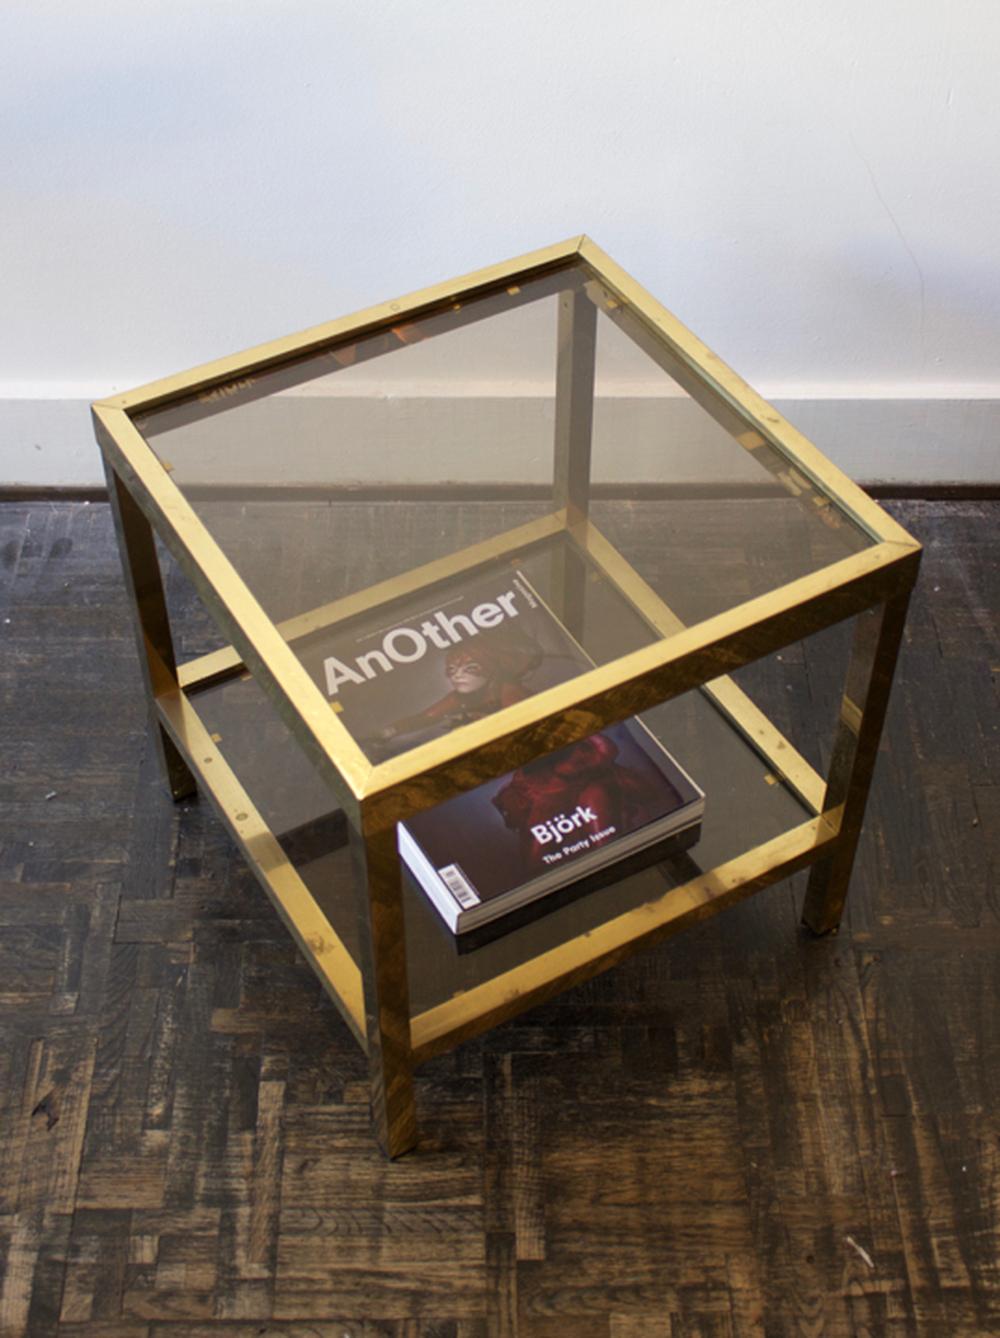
321, 476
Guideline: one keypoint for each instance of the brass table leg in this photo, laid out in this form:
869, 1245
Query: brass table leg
144, 584
877, 637
574, 424
382, 940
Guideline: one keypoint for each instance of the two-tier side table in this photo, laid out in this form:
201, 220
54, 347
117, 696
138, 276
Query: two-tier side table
546, 413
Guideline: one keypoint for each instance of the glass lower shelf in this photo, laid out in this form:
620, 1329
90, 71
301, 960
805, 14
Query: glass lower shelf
746, 805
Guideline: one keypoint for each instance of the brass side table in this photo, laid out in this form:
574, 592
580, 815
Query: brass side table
533, 412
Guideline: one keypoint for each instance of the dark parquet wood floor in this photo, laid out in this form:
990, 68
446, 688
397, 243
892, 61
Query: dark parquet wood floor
744, 1131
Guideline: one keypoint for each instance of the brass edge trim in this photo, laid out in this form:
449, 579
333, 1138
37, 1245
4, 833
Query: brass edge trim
850, 714
298, 699
578, 959
765, 418
226, 661
766, 739
724, 693
432, 772
316, 937
258, 357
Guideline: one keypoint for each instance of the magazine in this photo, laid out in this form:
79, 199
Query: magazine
451, 654
555, 820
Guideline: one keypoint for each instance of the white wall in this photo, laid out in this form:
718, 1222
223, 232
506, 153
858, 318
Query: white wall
813, 188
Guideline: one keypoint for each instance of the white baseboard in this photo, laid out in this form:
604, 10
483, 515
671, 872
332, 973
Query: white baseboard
46, 440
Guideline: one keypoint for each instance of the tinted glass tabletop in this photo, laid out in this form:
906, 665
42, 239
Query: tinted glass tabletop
393, 501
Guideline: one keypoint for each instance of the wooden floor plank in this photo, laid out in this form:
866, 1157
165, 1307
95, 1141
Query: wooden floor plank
743, 1131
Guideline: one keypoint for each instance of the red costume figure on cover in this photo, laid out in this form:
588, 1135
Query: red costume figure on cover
585, 776
484, 675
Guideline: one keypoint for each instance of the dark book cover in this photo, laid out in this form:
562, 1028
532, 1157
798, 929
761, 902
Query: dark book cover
551, 822
453, 653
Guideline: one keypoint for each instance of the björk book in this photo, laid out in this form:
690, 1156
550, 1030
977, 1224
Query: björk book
551, 822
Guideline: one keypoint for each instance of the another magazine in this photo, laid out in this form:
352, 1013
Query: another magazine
449, 655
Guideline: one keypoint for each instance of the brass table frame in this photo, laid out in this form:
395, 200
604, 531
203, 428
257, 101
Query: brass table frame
373, 997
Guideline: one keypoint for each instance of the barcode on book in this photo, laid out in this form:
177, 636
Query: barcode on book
459, 886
